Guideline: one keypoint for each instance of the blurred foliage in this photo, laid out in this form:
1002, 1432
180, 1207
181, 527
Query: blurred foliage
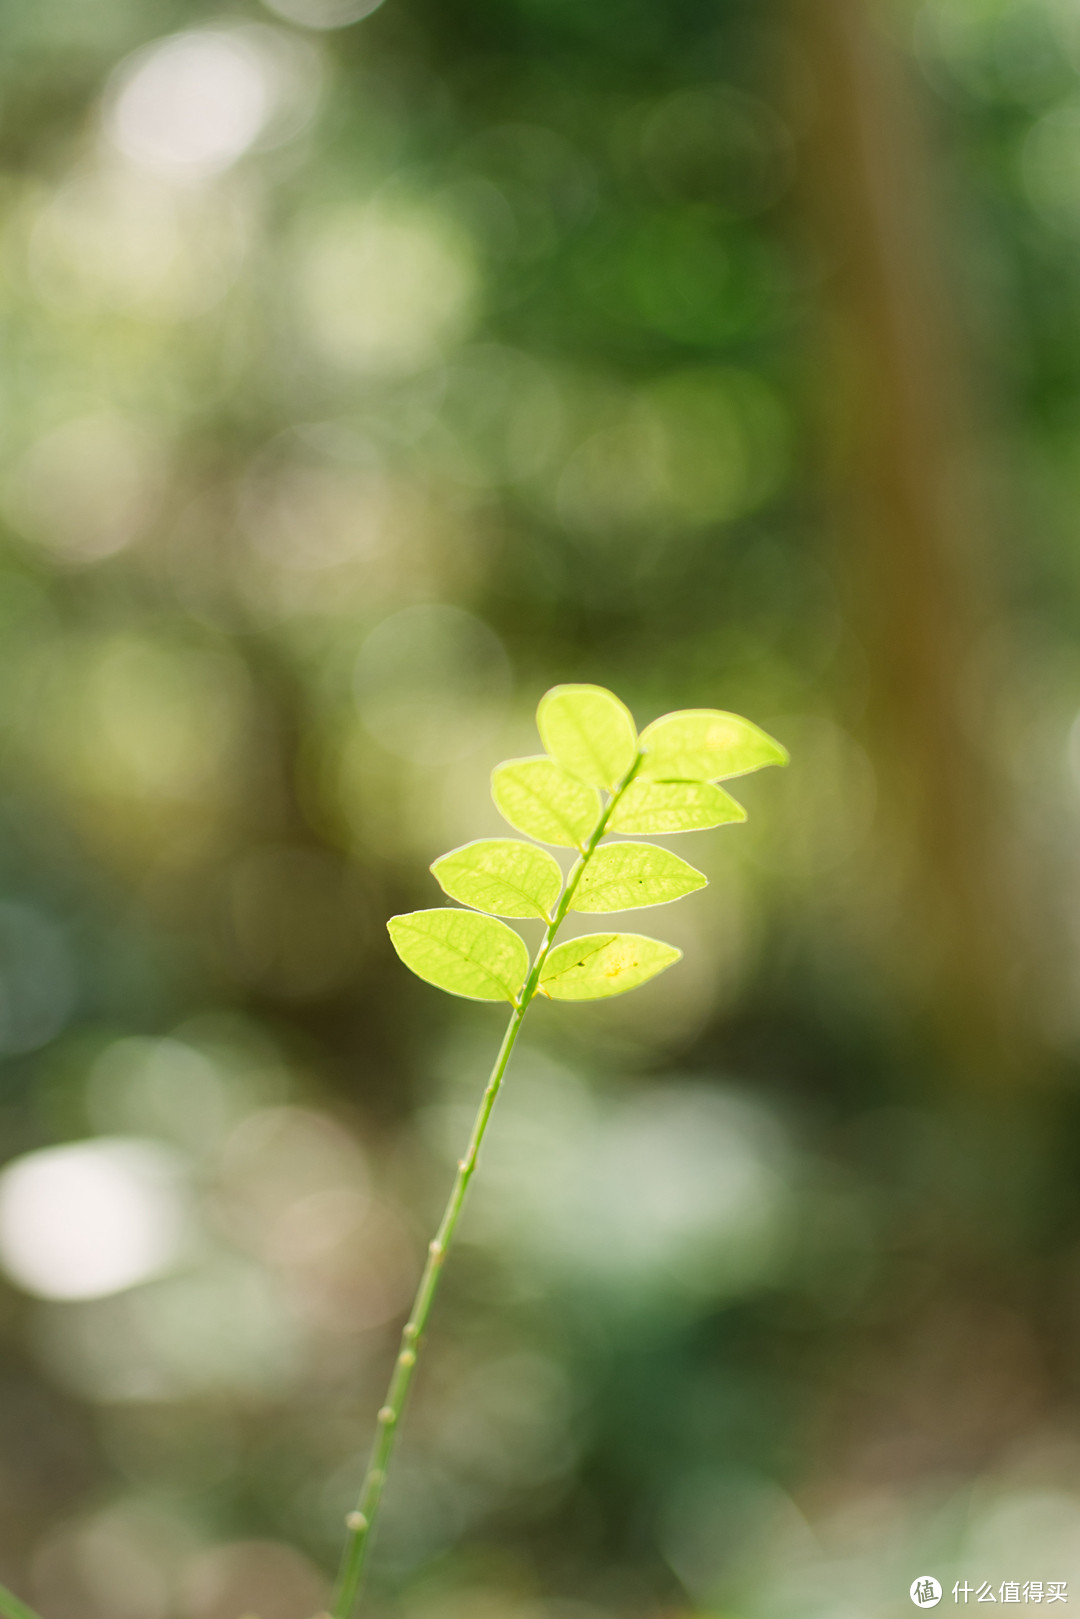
368, 370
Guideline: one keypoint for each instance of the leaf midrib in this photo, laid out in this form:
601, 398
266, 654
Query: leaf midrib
545, 804
453, 949
495, 879
579, 961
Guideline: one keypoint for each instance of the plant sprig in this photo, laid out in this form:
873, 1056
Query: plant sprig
596, 776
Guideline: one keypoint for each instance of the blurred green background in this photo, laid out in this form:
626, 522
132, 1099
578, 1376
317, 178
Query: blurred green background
367, 370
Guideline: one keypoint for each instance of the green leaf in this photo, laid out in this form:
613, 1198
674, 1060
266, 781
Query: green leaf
673, 806
603, 964
622, 876
502, 876
705, 744
541, 800
12, 1608
461, 952
588, 732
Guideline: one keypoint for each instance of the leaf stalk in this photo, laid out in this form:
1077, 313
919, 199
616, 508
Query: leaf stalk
360, 1522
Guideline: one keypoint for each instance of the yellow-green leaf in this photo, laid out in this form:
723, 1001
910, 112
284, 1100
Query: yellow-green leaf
603, 964
542, 801
622, 876
461, 952
673, 806
502, 876
705, 744
589, 732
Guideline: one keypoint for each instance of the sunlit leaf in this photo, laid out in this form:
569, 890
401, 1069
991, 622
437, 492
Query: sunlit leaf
462, 952
12, 1608
622, 876
673, 806
502, 876
705, 744
603, 964
541, 800
589, 732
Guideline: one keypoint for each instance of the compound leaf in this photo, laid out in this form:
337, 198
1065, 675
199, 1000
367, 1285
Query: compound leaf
673, 806
502, 876
589, 732
705, 744
603, 964
621, 876
461, 952
12, 1608
541, 800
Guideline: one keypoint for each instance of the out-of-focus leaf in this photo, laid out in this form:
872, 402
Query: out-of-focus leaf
538, 798
502, 876
673, 806
589, 732
461, 952
705, 744
603, 964
12, 1608
622, 876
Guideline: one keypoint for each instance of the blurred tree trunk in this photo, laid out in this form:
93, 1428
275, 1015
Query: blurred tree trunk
911, 542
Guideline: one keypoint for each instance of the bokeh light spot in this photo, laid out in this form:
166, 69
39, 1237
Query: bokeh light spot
323, 13
114, 238
252, 1577
189, 106
160, 721
161, 1087
432, 683
1050, 166
88, 1220
88, 488
383, 289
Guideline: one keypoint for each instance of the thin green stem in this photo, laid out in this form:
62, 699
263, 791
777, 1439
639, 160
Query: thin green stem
361, 1521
